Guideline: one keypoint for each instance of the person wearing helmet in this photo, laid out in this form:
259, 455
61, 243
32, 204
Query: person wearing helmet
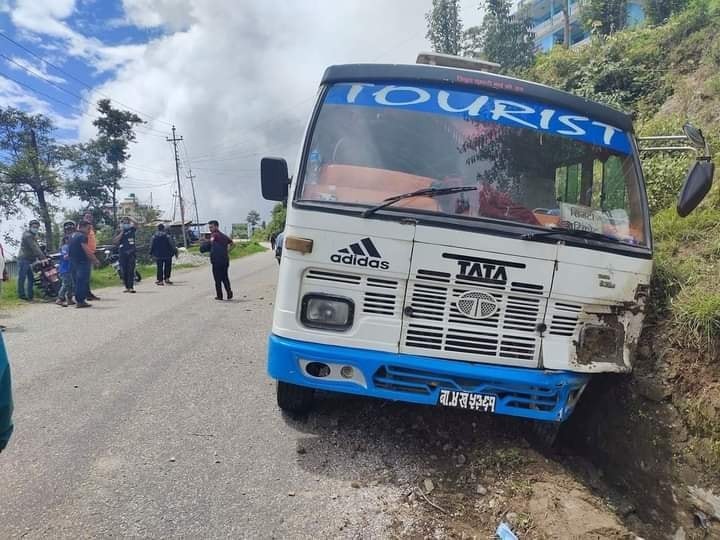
30, 252
67, 287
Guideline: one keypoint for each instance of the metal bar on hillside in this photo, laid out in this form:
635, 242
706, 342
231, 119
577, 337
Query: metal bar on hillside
663, 137
669, 149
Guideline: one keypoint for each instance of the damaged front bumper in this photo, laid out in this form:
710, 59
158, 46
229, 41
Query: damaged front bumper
529, 393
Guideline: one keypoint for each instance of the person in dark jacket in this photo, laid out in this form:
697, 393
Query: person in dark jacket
219, 247
163, 249
30, 252
125, 241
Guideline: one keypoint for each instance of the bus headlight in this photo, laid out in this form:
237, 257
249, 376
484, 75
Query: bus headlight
327, 312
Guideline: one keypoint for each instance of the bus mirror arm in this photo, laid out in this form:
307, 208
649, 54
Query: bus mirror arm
274, 178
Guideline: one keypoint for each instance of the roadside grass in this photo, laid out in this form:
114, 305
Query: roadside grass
8, 296
241, 249
107, 277
687, 268
697, 314
248, 248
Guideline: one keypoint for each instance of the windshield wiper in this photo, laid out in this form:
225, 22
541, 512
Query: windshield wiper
570, 232
426, 192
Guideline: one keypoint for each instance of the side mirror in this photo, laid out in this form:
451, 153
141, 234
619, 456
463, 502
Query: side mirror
696, 137
274, 179
696, 186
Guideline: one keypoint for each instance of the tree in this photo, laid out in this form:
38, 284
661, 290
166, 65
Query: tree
444, 27
506, 39
604, 16
567, 34
239, 230
277, 219
146, 214
253, 218
28, 158
92, 179
658, 11
115, 133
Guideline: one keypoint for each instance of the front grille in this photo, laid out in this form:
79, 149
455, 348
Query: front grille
415, 381
436, 324
564, 318
380, 297
332, 277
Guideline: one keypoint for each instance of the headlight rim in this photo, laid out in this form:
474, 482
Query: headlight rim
322, 326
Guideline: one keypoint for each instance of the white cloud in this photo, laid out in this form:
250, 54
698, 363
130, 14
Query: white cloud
47, 18
173, 14
14, 95
239, 81
43, 16
238, 77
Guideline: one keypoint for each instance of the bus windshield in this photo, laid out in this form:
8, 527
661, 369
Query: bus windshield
530, 163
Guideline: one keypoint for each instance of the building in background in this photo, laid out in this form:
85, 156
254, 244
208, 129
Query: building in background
549, 25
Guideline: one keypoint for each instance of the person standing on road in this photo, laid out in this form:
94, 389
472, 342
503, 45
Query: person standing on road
81, 259
92, 244
67, 289
125, 241
219, 247
3, 276
30, 252
163, 249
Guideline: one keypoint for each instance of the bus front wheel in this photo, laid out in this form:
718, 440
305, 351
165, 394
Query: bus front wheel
293, 398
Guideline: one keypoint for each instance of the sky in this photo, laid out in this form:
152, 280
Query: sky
237, 78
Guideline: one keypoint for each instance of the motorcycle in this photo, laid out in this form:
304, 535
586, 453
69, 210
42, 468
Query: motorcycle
113, 258
45, 276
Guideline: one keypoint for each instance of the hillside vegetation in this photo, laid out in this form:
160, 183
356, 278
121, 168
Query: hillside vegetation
668, 414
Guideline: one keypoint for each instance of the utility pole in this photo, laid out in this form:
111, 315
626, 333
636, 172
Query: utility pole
175, 140
192, 177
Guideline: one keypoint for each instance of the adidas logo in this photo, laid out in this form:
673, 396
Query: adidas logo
362, 253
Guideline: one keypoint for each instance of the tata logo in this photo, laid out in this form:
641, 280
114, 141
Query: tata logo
477, 305
482, 269
486, 271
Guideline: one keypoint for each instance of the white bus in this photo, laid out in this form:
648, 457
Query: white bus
458, 238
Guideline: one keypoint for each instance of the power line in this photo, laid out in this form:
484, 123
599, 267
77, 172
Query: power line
41, 76
73, 77
38, 92
61, 102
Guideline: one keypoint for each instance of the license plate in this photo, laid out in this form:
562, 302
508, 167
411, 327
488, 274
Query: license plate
467, 400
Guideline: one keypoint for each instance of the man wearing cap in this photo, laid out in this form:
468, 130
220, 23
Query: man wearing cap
92, 245
30, 252
125, 241
163, 249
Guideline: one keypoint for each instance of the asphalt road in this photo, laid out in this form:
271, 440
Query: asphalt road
152, 415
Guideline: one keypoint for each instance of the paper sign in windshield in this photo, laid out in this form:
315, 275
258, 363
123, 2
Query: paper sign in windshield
486, 107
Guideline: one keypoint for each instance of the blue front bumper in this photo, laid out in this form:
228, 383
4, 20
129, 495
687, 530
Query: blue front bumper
529, 393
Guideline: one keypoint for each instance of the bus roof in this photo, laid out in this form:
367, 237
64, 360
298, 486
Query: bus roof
419, 73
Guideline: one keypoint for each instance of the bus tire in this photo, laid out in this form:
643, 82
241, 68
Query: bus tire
293, 398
